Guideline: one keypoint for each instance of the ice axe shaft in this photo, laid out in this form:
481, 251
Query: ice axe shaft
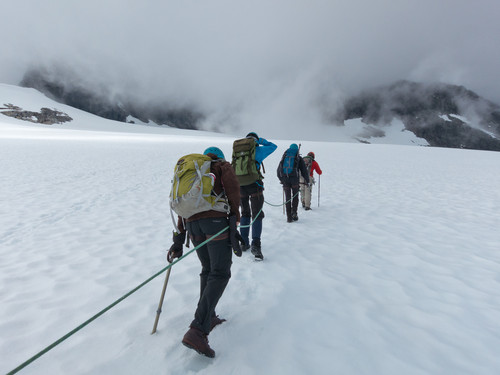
160, 304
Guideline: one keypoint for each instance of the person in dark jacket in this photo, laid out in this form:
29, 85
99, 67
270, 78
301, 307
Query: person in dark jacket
215, 256
291, 167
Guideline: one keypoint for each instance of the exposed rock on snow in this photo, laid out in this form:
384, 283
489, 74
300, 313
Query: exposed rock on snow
46, 116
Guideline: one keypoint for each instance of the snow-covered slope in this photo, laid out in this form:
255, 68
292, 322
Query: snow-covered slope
394, 271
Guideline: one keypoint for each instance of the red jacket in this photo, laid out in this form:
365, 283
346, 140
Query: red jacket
315, 167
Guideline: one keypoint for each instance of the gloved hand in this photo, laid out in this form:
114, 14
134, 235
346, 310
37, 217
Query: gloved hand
176, 249
235, 236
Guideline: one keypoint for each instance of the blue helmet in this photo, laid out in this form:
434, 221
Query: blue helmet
216, 151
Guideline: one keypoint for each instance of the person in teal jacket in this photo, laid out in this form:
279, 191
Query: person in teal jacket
252, 199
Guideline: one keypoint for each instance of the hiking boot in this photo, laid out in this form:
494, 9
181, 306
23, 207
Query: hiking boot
289, 219
245, 247
197, 340
308, 208
256, 250
215, 322
295, 217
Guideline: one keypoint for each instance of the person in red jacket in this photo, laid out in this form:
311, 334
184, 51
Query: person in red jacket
306, 188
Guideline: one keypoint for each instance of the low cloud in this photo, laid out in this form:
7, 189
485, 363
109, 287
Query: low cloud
254, 63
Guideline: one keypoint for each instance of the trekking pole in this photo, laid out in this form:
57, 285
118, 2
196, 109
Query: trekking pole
160, 304
319, 182
283, 201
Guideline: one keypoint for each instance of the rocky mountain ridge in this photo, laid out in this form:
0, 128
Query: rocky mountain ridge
442, 114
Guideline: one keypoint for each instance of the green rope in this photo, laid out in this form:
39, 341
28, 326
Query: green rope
87, 322
282, 204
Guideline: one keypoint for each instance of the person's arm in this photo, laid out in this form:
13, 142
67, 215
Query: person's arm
264, 149
232, 189
178, 239
315, 167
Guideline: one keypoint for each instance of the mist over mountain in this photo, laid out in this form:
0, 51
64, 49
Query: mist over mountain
442, 114
276, 68
67, 88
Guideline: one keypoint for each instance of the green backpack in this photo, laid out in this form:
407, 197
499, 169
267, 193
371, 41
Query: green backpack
192, 187
244, 163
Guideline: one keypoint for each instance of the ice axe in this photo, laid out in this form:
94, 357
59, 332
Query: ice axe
160, 304
162, 297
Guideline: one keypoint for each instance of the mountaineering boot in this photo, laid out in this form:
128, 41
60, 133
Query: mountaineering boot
289, 219
256, 251
197, 340
215, 322
295, 217
245, 247
308, 208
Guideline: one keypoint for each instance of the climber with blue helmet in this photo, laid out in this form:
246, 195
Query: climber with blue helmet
290, 169
215, 151
216, 255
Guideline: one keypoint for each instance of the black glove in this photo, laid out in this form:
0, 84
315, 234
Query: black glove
175, 250
235, 236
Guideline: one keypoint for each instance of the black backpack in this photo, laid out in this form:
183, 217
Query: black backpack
308, 161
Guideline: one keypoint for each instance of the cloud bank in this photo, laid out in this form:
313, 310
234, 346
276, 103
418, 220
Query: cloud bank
265, 63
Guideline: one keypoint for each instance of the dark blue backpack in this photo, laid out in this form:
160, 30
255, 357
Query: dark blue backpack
289, 162
289, 165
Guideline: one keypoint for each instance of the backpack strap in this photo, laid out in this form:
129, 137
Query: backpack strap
173, 220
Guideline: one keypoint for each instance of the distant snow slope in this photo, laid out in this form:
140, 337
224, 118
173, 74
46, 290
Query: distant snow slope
353, 131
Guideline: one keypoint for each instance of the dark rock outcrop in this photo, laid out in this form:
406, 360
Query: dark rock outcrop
46, 116
425, 110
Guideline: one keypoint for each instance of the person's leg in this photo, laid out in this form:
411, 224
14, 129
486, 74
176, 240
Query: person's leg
219, 255
295, 201
307, 197
288, 205
197, 237
303, 188
196, 337
246, 215
257, 203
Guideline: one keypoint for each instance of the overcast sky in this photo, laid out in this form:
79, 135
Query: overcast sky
269, 57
